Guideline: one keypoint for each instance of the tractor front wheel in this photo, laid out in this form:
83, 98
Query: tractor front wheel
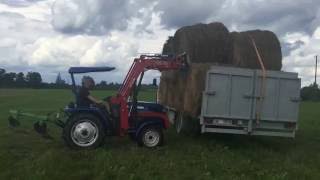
150, 137
83, 131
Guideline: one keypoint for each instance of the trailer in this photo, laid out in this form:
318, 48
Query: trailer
250, 102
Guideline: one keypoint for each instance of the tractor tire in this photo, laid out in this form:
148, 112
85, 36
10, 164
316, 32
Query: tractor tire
83, 131
150, 137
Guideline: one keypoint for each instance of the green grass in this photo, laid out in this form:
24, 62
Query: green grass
25, 155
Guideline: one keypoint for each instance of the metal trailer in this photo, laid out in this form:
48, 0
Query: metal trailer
251, 102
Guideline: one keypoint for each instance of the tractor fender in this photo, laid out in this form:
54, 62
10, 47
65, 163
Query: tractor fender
96, 112
149, 122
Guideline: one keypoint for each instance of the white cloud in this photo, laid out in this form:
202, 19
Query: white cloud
34, 11
294, 37
31, 44
59, 50
279, 16
51, 35
302, 60
316, 33
98, 16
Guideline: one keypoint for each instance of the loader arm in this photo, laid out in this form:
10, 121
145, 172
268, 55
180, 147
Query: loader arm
145, 63
140, 65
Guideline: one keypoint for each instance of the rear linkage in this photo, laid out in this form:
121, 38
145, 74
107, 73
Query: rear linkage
40, 125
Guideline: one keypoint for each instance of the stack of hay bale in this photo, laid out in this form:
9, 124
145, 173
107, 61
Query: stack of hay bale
206, 45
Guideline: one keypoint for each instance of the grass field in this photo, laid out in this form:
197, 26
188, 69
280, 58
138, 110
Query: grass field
25, 155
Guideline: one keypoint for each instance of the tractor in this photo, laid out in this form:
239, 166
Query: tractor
87, 127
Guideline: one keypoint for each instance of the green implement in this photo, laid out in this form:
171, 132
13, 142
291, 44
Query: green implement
40, 121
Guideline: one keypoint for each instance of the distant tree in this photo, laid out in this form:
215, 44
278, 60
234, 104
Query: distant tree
8, 79
20, 80
2, 72
310, 93
59, 80
34, 79
103, 83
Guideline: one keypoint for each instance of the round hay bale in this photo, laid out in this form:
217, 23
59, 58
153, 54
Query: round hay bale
202, 42
195, 87
207, 45
268, 46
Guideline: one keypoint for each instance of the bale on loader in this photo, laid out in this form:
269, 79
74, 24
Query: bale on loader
207, 45
202, 42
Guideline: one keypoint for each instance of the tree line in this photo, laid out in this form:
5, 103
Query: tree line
310, 93
19, 80
34, 80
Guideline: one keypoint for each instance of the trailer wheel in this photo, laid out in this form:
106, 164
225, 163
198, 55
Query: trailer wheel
84, 131
187, 125
150, 137
178, 123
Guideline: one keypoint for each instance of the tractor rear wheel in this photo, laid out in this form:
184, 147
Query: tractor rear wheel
84, 131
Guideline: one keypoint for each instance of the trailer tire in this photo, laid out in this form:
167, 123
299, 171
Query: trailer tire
150, 137
187, 125
83, 131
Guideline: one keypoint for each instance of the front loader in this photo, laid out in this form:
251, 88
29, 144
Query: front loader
86, 127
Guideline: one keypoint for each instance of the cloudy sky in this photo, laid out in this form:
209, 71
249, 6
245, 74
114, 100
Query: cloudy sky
49, 36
